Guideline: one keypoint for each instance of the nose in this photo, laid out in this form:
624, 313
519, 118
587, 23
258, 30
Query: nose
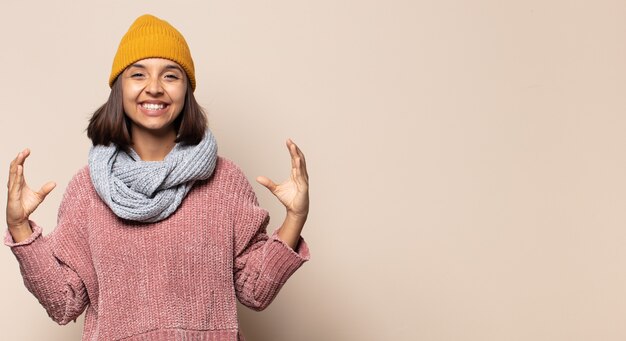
154, 87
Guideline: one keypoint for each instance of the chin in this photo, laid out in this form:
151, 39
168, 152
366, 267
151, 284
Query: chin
156, 128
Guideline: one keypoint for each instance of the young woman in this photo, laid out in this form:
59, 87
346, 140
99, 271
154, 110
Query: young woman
157, 236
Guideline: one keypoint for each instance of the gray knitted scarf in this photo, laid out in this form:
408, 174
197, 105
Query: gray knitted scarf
149, 191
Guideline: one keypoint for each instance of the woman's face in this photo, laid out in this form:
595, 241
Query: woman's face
154, 91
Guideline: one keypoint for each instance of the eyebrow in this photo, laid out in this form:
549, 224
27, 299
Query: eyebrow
167, 67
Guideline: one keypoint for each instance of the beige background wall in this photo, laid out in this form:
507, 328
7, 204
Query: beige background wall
466, 157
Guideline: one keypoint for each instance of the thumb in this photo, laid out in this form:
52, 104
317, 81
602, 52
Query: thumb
46, 189
269, 184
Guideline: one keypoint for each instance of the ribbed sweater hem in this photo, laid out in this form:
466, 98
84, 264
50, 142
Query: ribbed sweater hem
186, 335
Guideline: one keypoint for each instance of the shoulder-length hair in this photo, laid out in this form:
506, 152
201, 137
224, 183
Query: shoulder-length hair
109, 124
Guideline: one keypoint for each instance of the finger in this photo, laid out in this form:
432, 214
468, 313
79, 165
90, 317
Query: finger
297, 149
292, 152
13, 161
296, 160
12, 173
11, 176
11, 184
298, 174
300, 153
296, 146
17, 182
269, 184
297, 170
21, 157
13, 170
302, 163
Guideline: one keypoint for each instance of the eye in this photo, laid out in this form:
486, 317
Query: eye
171, 76
136, 75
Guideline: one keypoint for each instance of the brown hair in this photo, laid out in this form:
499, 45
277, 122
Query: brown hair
109, 124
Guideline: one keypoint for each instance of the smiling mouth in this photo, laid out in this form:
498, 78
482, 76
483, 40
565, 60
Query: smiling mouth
153, 106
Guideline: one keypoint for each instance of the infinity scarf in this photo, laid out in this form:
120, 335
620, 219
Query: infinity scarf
149, 191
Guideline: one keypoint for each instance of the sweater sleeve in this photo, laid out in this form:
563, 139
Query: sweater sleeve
262, 263
46, 263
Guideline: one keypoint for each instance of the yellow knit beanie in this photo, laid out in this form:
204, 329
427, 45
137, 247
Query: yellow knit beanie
151, 37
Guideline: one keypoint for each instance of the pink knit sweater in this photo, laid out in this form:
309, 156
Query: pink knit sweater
177, 279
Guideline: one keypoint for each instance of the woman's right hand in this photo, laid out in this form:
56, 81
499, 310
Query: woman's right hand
22, 200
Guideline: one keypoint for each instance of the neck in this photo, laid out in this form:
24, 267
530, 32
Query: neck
153, 146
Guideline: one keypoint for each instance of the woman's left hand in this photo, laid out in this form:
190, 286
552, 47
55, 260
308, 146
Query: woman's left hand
293, 192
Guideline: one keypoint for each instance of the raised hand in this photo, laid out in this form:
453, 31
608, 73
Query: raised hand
294, 194
21, 199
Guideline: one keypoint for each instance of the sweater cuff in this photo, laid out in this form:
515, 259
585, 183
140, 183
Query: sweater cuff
32, 253
37, 230
283, 261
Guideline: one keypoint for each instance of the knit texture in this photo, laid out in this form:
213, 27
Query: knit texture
151, 37
177, 279
149, 191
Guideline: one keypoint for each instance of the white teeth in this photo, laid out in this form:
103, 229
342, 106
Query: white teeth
151, 106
